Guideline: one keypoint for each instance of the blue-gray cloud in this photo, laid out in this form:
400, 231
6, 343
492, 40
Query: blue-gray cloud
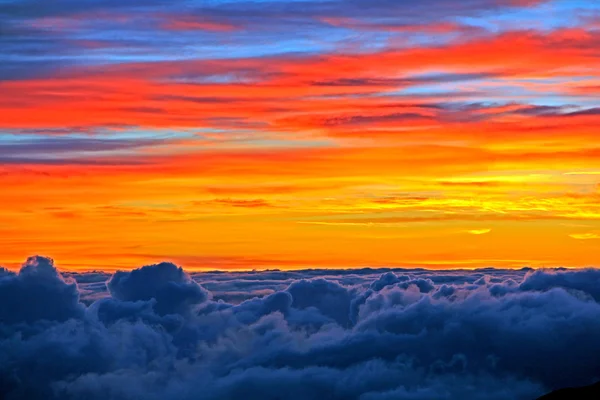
156, 333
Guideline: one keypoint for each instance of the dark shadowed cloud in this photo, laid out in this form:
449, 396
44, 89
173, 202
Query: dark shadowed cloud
38, 292
338, 334
172, 289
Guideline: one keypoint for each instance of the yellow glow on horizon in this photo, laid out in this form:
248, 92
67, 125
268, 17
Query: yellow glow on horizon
479, 231
585, 236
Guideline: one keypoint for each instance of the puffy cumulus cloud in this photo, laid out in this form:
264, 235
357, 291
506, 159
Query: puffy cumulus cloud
364, 335
4, 272
172, 289
111, 311
236, 297
387, 279
360, 382
586, 281
37, 292
329, 298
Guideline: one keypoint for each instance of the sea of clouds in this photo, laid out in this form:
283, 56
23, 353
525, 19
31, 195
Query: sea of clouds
158, 332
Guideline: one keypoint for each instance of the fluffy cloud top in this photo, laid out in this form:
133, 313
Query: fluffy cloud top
173, 289
366, 334
37, 292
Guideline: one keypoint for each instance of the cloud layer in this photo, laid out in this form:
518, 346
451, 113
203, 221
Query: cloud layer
159, 333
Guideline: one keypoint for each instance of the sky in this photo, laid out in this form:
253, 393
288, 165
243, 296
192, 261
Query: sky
260, 134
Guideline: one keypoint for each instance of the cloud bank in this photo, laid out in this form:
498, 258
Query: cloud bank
158, 332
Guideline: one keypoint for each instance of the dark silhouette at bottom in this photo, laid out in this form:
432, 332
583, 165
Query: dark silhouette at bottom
591, 392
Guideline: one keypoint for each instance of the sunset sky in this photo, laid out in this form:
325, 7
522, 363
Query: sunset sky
241, 134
